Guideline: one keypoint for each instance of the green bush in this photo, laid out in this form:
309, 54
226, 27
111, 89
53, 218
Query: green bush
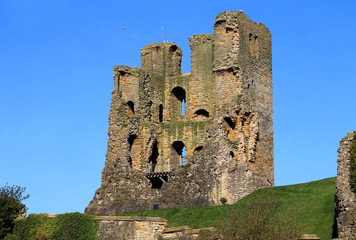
35, 226
353, 165
10, 207
258, 218
75, 226
63, 227
223, 200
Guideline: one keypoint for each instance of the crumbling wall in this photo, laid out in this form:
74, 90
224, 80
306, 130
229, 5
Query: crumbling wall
138, 228
345, 198
222, 146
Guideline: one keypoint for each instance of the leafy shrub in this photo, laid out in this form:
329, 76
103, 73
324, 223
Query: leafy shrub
63, 227
10, 207
34, 227
257, 218
75, 226
223, 200
353, 165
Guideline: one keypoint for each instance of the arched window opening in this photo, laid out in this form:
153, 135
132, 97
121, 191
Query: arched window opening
160, 113
220, 23
130, 108
201, 115
173, 48
179, 93
131, 141
178, 154
198, 149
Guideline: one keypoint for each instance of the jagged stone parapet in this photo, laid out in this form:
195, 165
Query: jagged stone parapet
345, 198
221, 145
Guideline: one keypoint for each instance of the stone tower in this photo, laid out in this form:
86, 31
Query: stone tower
179, 140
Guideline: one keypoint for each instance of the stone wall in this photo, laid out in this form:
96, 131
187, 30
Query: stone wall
127, 228
185, 232
222, 146
345, 199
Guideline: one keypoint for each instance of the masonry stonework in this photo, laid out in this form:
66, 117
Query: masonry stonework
345, 198
138, 228
221, 145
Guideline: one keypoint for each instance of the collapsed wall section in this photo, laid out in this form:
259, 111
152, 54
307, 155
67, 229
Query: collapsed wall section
180, 140
344, 197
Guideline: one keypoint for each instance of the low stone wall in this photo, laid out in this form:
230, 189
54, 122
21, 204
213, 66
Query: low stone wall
345, 199
129, 228
135, 228
183, 231
143, 228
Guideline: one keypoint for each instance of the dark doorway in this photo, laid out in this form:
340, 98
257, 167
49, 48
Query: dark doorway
179, 93
154, 156
157, 182
230, 122
130, 108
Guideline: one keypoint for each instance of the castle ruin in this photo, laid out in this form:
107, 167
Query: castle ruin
181, 140
345, 199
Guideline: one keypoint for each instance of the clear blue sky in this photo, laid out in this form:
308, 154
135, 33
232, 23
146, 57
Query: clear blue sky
56, 61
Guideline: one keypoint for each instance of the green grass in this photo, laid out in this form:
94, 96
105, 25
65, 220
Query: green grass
312, 203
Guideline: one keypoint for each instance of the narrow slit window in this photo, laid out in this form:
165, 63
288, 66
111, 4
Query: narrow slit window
182, 108
183, 156
161, 113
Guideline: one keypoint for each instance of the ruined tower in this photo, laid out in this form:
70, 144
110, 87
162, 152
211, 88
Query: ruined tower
179, 140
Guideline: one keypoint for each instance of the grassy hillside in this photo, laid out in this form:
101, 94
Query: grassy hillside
312, 202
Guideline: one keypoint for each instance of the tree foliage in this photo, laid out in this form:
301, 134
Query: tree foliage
65, 226
11, 205
256, 219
